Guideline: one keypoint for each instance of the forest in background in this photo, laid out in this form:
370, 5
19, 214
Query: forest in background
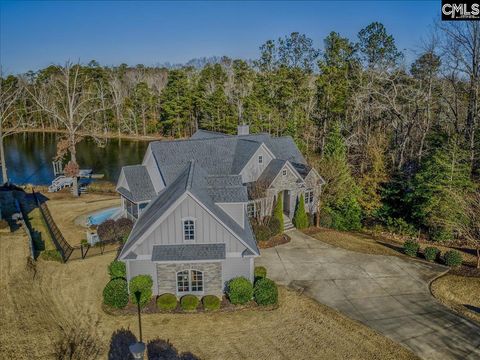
397, 143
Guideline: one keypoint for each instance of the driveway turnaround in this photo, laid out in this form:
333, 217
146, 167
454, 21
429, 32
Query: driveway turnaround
387, 293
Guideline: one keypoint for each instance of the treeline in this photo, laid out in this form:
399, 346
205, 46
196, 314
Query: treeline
397, 143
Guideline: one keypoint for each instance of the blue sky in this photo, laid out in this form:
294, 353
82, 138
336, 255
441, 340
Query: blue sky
36, 34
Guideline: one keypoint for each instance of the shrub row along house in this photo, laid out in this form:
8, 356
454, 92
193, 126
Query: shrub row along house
191, 201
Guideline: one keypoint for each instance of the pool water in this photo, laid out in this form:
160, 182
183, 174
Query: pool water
99, 217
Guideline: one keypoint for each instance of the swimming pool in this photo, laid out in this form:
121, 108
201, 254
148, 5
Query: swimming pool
100, 216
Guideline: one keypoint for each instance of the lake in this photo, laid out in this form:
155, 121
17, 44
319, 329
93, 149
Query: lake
29, 156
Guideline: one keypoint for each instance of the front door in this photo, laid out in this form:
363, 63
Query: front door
286, 202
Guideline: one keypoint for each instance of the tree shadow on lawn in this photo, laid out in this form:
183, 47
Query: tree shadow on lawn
157, 349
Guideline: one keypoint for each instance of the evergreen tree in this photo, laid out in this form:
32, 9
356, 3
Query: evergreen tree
300, 219
278, 210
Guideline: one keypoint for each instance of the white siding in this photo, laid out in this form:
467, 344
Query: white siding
122, 182
152, 168
253, 169
236, 211
143, 267
207, 230
236, 266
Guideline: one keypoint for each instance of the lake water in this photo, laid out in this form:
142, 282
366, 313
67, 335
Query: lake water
29, 156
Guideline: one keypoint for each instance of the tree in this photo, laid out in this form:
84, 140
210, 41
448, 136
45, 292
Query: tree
10, 122
67, 95
278, 210
300, 219
377, 46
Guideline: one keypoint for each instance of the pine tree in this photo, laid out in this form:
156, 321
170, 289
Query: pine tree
278, 210
300, 219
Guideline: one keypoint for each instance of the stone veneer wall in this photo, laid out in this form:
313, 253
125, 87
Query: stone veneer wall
212, 277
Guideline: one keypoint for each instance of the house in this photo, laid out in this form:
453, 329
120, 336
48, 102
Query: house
191, 201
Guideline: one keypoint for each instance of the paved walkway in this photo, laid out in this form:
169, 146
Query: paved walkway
387, 293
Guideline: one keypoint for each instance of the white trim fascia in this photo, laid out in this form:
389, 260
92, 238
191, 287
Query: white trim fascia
121, 177
232, 203
221, 222
152, 227
186, 261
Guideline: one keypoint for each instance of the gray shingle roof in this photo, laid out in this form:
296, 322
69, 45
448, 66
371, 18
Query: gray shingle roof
271, 172
188, 252
139, 183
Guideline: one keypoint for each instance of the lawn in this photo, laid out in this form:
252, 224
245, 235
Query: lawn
37, 312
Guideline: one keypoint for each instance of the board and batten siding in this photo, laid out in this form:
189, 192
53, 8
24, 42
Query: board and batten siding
207, 230
253, 169
237, 266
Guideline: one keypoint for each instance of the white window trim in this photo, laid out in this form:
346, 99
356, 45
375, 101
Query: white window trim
284, 172
181, 293
260, 159
310, 198
194, 229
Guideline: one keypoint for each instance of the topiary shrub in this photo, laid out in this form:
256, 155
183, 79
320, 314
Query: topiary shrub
278, 210
167, 302
411, 247
265, 292
211, 302
240, 290
300, 219
274, 225
106, 230
431, 253
142, 283
123, 227
262, 232
115, 293
189, 303
117, 269
453, 258
260, 272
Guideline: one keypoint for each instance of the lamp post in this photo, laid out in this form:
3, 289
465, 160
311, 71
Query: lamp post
137, 349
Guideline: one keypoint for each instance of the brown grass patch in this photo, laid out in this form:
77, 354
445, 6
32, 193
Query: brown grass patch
66, 296
460, 293
70, 212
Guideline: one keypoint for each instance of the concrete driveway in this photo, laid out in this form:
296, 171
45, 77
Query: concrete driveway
387, 293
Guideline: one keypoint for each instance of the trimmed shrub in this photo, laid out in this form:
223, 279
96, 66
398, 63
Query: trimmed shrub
106, 230
260, 272
211, 302
300, 219
142, 283
115, 293
275, 226
411, 247
167, 302
453, 258
240, 290
123, 227
400, 226
431, 253
265, 292
117, 269
278, 210
262, 232
189, 303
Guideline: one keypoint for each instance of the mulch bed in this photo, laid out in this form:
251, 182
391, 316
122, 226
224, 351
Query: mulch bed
274, 241
151, 308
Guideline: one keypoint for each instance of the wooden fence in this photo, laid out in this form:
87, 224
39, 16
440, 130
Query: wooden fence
67, 251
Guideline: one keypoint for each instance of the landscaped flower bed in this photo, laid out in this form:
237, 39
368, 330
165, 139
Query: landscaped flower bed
240, 294
274, 241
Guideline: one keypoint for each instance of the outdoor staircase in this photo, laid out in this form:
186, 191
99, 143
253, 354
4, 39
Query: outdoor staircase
287, 223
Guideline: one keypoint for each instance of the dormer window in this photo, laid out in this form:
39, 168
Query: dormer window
189, 230
284, 172
260, 159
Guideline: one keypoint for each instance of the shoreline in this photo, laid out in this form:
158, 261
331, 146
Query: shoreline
108, 135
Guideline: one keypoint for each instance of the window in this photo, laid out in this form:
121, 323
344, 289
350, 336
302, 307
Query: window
308, 197
284, 172
254, 209
189, 230
132, 208
189, 281
260, 159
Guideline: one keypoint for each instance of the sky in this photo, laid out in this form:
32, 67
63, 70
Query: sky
36, 34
